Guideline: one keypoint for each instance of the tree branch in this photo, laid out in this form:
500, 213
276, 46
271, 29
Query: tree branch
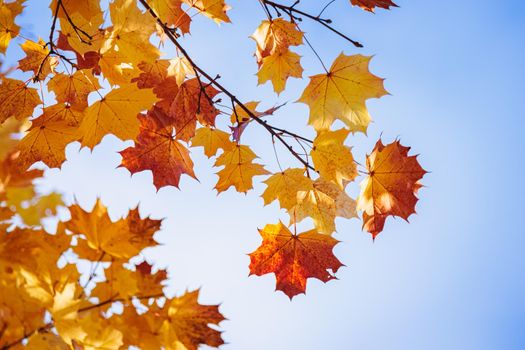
294, 13
219, 86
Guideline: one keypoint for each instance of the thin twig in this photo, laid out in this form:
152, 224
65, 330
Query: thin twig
292, 11
220, 87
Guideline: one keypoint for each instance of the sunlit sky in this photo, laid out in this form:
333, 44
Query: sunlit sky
454, 278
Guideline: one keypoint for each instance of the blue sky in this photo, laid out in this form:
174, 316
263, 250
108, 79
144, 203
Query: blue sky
451, 279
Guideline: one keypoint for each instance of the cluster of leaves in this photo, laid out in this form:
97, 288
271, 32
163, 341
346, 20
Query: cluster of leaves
49, 300
105, 71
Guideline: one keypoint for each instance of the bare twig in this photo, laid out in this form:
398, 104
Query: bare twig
294, 13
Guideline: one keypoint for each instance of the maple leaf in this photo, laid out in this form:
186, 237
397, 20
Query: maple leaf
48, 136
74, 89
46, 341
8, 28
211, 140
278, 68
390, 187
7, 141
189, 325
180, 68
214, 9
276, 62
155, 75
116, 113
13, 176
88, 9
130, 33
100, 334
370, 5
18, 314
32, 208
285, 186
238, 170
65, 313
274, 36
171, 13
115, 68
149, 283
341, 94
320, 200
157, 150
193, 103
323, 202
119, 283
81, 28
123, 239
18, 100
294, 258
37, 59
332, 158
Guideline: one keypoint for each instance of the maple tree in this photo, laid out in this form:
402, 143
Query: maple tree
104, 71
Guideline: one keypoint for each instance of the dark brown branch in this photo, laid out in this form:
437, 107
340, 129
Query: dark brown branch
51, 44
219, 86
77, 29
293, 13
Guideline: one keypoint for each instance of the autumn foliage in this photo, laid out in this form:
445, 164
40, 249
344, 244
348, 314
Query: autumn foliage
100, 72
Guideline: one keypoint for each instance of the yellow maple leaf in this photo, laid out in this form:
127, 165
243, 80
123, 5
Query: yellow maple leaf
89, 9
130, 33
115, 68
279, 67
8, 28
37, 59
238, 170
171, 12
323, 202
214, 9
76, 35
7, 129
18, 313
239, 115
100, 334
211, 140
285, 186
48, 136
39, 207
18, 100
75, 88
116, 113
65, 313
124, 238
180, 68
119, 283
332, 158
341, 94
189, 326
46, 341
275, 35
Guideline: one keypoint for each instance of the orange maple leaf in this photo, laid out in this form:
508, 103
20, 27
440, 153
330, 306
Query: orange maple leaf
18, 100
391, 185
189, 322
370, 5
193, 103
157, 150
294, 258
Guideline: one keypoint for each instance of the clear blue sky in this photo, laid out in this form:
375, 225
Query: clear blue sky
451, 279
